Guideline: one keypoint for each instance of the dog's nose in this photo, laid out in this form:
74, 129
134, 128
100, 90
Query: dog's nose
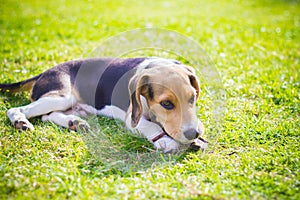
191, 134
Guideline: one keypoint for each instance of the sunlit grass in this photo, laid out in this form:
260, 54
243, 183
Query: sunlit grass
255, 46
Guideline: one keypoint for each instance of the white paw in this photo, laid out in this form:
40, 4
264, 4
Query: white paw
23, 125
45, 118
167, 145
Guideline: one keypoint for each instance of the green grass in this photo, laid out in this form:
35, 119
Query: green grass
255, 45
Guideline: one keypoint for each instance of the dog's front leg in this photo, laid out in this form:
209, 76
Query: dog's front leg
155, 134
150, 130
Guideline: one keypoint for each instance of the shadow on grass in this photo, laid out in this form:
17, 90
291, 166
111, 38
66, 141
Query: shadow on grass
114, 150
14, 99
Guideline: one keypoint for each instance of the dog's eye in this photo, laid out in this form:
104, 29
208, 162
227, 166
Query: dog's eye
192, 99
167, 105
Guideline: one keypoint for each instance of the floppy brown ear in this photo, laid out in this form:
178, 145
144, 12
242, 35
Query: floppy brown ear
136, 86
195, 83
193, 79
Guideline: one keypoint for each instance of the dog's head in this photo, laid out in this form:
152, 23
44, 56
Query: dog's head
171, 92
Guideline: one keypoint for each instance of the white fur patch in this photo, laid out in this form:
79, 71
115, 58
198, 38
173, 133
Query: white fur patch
108, 111
155, 60
112, 112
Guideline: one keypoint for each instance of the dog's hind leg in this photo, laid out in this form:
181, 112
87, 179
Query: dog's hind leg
19, 116
64, 119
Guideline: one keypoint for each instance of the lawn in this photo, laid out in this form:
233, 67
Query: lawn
254, 45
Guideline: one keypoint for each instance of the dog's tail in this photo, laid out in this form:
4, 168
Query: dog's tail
19, 86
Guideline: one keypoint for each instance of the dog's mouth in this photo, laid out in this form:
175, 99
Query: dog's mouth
196, 144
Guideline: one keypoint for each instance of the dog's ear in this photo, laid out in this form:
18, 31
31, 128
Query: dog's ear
137, 86
195, 83
193, 79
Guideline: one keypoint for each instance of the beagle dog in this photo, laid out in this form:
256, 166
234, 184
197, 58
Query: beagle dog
155, 97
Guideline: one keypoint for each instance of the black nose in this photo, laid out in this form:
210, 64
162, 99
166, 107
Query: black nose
191, 134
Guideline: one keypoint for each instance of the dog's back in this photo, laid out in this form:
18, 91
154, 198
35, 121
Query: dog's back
93, 81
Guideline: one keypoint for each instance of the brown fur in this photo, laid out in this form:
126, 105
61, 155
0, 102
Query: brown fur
178, 94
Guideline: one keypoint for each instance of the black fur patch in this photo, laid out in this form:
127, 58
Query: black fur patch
47, 82
113, 85
104, 81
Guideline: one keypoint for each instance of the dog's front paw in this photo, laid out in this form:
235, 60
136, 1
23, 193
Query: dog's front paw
167, 145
